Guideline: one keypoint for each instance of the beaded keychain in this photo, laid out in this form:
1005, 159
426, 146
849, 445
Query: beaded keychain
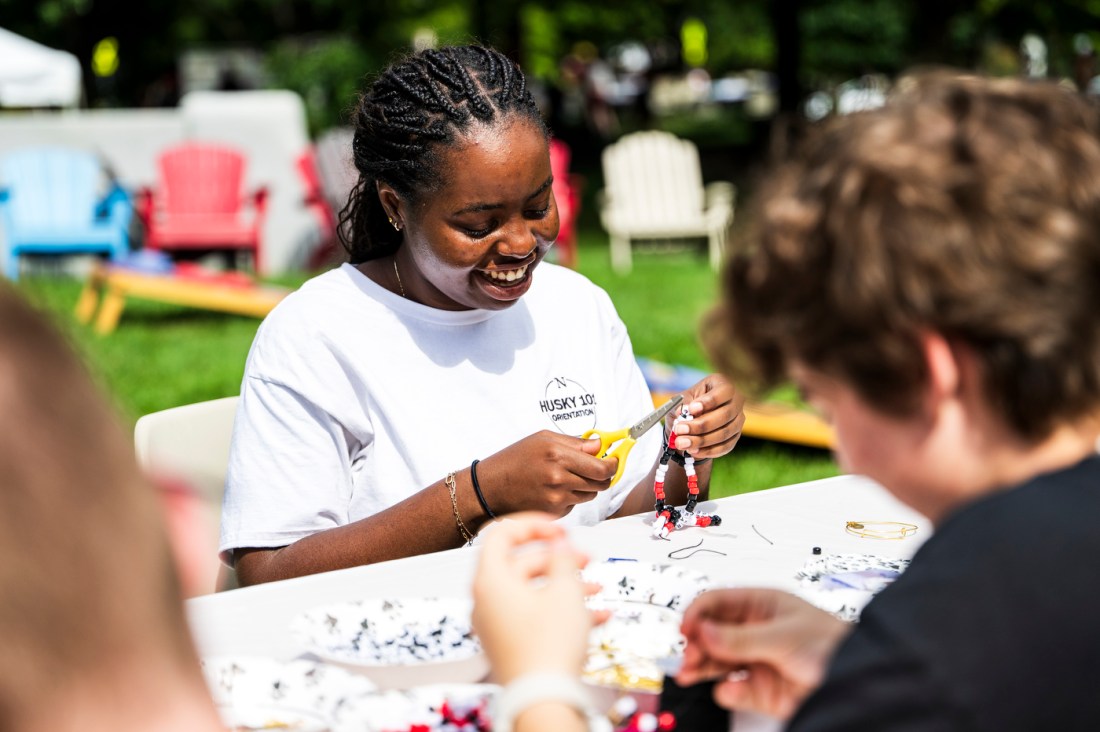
474, 718
669, 518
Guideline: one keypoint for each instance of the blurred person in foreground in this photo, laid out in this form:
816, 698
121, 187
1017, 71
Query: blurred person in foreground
91, 620
927, 274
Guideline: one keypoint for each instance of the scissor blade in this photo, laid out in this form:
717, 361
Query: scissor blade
642, 426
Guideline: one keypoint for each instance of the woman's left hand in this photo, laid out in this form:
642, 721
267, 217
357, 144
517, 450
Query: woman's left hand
529, 609
718, 415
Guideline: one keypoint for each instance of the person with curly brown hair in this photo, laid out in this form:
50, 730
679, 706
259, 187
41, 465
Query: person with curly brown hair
927, 273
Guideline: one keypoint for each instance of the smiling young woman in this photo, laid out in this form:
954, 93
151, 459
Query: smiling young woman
442, 376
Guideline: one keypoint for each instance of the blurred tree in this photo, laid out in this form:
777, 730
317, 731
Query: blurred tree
326, 71
804, 41
741, 36
846, 38
543, 44
789, 40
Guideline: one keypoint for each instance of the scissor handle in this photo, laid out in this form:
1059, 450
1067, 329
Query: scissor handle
607, 439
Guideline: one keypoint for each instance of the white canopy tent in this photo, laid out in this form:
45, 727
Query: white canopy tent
33, 75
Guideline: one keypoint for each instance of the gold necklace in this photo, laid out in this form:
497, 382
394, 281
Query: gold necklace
398, 274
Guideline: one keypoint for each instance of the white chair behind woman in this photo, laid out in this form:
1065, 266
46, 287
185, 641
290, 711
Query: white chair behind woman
654, 190
191, 444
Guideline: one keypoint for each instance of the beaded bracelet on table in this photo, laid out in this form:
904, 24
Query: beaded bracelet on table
457, 717
669, 518
474, 718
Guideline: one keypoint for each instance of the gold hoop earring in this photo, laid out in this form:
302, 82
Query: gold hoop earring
394, 224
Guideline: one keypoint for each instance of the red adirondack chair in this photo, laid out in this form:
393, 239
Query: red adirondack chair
567, 192
326, 252
198, 204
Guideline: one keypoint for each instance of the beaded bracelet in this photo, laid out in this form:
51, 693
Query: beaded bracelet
477, 490
536, 688
466, 535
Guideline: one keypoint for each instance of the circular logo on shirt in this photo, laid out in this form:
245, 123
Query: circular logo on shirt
570, 406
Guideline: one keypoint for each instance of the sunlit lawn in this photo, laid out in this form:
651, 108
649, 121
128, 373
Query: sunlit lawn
163, 356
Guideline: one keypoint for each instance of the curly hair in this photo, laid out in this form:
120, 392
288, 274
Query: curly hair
965, 206
416, 105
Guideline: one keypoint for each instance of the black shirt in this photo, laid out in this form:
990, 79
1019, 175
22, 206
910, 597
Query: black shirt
995, 625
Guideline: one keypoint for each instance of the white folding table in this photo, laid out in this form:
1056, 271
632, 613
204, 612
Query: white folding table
763, 540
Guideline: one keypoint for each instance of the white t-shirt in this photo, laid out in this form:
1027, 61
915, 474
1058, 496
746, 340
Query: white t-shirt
355, 398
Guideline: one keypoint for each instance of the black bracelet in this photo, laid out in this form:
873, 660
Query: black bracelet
477, 490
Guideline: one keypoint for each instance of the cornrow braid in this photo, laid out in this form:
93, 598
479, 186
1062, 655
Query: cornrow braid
418, 104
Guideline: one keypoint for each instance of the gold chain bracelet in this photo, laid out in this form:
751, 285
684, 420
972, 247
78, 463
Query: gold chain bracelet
466, 535
880, 529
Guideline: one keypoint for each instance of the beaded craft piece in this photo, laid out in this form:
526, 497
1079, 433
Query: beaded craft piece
654, 584
449, 707
625, 717
669, 518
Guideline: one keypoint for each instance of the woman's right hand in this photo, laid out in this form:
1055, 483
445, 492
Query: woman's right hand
546, 471
769, 648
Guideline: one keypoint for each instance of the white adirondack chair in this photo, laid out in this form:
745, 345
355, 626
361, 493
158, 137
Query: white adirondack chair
654, 190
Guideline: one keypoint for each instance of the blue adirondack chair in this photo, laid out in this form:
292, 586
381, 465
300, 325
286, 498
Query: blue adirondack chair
51, 203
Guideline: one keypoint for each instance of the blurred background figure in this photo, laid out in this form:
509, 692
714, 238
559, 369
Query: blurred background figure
1033, 50
1084, 63
91, 620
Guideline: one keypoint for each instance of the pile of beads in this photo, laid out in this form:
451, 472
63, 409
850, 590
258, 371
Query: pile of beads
625, 717
389, 631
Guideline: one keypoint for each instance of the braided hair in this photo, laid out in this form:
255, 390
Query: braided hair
412, 109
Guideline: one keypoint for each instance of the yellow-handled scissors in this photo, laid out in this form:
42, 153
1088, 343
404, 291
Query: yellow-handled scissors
626, 437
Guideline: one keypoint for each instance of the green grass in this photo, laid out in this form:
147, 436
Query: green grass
162, 356
661, 300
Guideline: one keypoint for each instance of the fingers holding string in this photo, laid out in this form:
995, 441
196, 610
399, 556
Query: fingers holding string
506, 540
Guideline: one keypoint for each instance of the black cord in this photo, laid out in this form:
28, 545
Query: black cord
697, 550
762, 536
477, 490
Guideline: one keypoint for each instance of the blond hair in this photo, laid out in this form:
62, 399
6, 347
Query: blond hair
86, 576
